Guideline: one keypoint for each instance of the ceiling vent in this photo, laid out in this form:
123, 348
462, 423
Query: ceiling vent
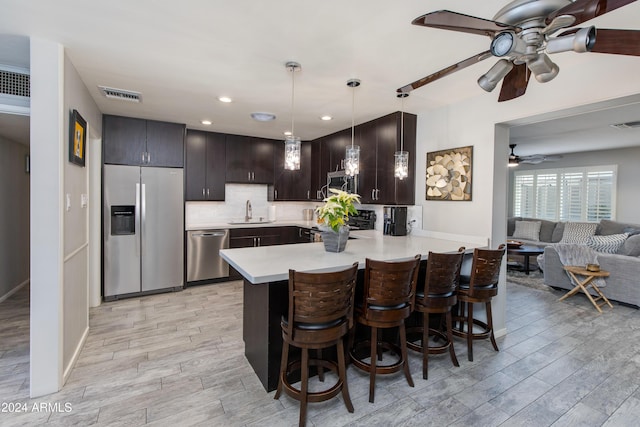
124, 95
627, 125
15, 90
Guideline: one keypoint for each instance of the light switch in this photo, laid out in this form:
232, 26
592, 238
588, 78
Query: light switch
83, 200
68, 202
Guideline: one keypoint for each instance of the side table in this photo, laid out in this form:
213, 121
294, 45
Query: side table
583, 284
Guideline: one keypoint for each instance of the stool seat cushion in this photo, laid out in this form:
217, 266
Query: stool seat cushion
312, 326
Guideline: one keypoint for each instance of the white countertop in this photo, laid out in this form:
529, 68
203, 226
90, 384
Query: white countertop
272, 263
217, 225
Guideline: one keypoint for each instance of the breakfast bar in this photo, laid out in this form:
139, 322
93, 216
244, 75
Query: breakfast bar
266, 272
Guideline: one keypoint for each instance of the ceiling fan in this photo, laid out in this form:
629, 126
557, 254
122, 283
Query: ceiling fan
522, 35
534, 159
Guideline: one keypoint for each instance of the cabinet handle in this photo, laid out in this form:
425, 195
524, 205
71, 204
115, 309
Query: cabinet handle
203, 192
276, 194
253, 176
308, 194
207, 192
248, 176
373, 194
148, 157
142, 161
259, 241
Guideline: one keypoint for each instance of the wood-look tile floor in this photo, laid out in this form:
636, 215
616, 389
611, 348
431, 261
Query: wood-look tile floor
177, 360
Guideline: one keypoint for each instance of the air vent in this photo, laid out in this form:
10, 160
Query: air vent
125, 95
627, 125
12, 83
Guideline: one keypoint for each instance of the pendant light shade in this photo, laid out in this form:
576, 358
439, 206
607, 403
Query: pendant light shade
352, 153
401, 158
291, 142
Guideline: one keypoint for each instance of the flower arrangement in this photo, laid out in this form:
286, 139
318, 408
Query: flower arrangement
337, 208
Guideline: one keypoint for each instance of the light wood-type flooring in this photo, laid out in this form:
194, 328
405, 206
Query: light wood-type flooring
177, 359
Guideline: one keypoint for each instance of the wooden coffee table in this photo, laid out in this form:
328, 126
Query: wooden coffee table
583, 284
525, 251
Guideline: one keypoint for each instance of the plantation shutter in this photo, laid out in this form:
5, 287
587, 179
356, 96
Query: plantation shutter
524, 202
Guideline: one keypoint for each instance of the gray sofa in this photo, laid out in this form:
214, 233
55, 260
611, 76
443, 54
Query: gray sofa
623, 285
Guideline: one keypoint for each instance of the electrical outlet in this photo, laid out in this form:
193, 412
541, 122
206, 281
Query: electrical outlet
68, 204
83, 200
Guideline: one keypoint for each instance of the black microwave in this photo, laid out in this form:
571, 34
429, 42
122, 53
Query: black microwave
341, 181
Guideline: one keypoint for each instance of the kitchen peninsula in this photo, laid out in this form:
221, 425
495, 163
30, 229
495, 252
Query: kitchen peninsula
266, 274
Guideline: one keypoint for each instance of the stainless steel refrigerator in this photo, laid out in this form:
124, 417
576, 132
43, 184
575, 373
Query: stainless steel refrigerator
143, 226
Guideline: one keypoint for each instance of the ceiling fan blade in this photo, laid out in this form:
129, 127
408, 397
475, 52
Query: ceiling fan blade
445, 72
453, 21
617, 42
515, 83
584, 10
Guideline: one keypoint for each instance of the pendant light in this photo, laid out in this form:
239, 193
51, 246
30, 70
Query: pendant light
352, 154
401, 164
291, 142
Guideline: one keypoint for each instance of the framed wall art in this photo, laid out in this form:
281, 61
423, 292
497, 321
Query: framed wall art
78, 138
449, 174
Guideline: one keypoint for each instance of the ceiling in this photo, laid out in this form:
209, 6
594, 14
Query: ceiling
182, 55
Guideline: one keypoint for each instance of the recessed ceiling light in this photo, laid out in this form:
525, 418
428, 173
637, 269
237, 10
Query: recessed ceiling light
224, 99
206, 122
287, 133
326, 118
263, 117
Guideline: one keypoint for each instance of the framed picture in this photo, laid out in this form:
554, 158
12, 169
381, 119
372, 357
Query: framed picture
449, 174
78, 138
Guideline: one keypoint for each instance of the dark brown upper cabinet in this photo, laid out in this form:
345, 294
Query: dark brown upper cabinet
205, 165
378, 139
138, 142
291, 185
249, 160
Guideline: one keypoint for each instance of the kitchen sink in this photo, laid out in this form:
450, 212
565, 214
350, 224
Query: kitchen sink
251, 221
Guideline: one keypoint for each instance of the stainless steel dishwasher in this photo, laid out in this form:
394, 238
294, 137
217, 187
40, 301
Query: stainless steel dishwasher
203, 257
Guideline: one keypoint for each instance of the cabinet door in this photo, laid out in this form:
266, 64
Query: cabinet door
195, 165
292, 185
165, 144
123, 140
406, 188
262, 160
367, 140
215, 166
387, 135
238, 158
319, 169
337, 144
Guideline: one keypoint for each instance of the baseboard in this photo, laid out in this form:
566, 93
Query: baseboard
14, 290
75, 356
500, 332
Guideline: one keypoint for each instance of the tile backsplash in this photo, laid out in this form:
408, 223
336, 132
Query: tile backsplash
236, 196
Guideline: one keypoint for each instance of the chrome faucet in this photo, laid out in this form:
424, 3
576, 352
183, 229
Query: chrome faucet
248, 213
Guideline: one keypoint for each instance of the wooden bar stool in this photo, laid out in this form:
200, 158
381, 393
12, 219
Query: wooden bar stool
320, 315
437, 296
480, 286
388, 299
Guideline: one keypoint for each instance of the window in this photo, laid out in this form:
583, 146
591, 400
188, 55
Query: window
568, 194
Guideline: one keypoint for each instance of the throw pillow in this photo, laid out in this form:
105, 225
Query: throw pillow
631, 246
609, 244
631, 231
578, 232
528, 230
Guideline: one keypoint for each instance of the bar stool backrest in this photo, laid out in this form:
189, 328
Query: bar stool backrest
390, 285
443, 273
318, 300
485, 270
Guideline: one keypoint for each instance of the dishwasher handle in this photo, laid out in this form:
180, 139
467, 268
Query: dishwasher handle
210, 234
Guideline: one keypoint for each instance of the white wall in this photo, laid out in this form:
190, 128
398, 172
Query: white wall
473, 122
14, 218
59, 237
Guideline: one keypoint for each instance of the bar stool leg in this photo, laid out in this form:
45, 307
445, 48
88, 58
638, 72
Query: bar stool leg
342, 372
490, 324
372, 372
320, 368
304, 386
449, 327
425, 345
470, 331
403, 351
283, 368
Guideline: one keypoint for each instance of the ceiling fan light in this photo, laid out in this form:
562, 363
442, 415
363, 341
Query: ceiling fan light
581, 41
513, 162
543, 68
496, 73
